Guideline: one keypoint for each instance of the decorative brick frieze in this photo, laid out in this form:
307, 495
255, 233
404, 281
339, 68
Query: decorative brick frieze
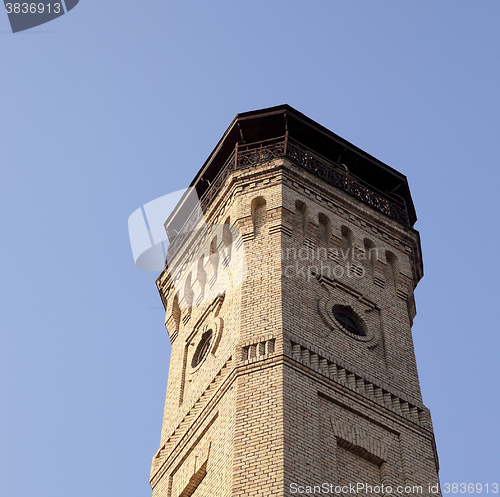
356, 381
259, 349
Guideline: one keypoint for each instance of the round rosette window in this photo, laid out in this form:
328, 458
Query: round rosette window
346, 317
348, 321
202, 350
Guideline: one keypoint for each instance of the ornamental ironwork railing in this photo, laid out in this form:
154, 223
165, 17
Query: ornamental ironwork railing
250, 155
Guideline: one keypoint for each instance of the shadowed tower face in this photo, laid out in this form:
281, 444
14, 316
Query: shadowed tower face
289, 305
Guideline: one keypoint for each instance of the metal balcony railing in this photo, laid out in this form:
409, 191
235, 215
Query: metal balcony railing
250, 155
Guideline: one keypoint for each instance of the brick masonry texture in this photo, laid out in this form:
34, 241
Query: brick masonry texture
285, 395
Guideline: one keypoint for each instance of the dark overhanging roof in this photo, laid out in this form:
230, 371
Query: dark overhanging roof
274, 122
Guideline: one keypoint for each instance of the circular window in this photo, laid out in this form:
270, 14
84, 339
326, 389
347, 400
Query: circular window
202, 349
348, 322
340, 316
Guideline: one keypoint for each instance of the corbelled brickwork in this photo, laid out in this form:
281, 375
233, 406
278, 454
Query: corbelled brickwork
268, 393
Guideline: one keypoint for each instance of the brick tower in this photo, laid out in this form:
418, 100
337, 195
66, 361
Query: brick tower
289, 305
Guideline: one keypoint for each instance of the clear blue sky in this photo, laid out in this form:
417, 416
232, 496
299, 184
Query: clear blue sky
120, 102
